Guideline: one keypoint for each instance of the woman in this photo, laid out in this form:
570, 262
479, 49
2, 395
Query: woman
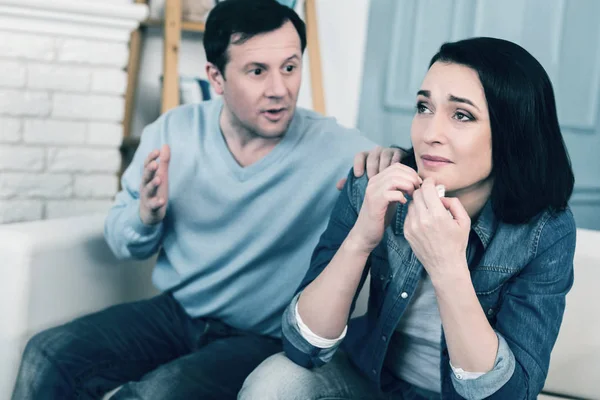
467, 291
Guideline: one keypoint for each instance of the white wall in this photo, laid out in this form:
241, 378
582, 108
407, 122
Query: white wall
342, 37
61, 105
342, 32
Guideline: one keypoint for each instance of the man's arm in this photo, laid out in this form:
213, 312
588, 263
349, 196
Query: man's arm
133, 227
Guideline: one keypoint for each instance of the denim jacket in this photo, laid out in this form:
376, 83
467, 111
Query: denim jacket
521, 275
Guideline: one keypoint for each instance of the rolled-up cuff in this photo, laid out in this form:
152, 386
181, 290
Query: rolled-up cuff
490, 382
296, 347
315, 339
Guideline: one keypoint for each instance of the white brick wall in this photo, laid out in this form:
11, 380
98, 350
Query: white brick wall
105, 134
61, 109
47, 131
58, 77
83, 160
24, 103
13, 74
19, 185
21, 158
111, 81
10, 130
92, 52
27, 46
88, 107
20, 210
96, 186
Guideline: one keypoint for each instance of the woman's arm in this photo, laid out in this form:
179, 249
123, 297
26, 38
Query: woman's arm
472, 342
533, 307
324, 305
297, 346
514, 354
339, 264
439, 240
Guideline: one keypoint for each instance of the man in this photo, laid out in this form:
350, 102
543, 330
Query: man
233, 195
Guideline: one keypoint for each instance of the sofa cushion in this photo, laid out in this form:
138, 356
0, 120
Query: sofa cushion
575, 361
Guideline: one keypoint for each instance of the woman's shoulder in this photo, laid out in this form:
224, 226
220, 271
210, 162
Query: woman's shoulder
355, 188
540, 233
554, 226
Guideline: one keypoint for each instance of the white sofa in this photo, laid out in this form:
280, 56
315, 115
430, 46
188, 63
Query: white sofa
53, 271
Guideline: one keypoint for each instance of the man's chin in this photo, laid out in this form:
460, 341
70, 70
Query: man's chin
274, 131
272, 134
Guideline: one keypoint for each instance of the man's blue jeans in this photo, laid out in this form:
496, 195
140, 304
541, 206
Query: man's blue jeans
152, 347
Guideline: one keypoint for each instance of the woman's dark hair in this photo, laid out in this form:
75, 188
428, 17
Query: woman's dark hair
246, 18
530, 164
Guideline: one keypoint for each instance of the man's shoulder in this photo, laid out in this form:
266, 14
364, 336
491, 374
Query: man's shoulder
185, 120
188, 113
312, 120
328, 132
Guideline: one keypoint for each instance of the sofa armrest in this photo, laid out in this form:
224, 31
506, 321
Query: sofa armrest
54, 271
574, 364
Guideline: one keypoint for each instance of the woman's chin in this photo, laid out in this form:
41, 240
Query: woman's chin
424, 174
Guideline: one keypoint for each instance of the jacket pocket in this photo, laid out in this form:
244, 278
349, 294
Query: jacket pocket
490, 285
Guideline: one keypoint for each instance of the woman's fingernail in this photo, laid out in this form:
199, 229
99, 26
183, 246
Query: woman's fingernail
441, 189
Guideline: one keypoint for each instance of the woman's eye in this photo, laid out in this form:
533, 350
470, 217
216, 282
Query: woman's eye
462, 117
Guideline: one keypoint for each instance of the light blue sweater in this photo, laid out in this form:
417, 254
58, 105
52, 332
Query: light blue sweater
236, 242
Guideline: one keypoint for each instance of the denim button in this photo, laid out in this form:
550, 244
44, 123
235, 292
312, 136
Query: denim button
384, 338
490, 311
374, 371
404, 295
459, 376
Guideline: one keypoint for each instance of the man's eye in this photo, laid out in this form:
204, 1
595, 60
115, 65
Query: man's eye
257, 71
290, 68
422, 109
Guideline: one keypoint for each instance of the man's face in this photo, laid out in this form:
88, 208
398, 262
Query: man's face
261, 82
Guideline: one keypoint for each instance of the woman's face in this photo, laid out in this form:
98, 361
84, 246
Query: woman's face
451, 132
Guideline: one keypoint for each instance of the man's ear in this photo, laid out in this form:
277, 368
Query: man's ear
215, 78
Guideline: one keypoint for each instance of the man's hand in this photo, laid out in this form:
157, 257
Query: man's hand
154, 190
374, 162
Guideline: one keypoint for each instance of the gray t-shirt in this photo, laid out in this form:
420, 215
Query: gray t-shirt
414, 352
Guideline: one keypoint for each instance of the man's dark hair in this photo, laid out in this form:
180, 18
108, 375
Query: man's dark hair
246, 18
530, 164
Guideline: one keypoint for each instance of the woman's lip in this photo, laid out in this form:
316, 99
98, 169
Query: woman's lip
427, 157
434, 162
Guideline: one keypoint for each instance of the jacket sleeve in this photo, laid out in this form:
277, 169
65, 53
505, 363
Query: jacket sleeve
530, 316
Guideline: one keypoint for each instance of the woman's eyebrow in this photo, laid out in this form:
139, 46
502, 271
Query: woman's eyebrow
461, 100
